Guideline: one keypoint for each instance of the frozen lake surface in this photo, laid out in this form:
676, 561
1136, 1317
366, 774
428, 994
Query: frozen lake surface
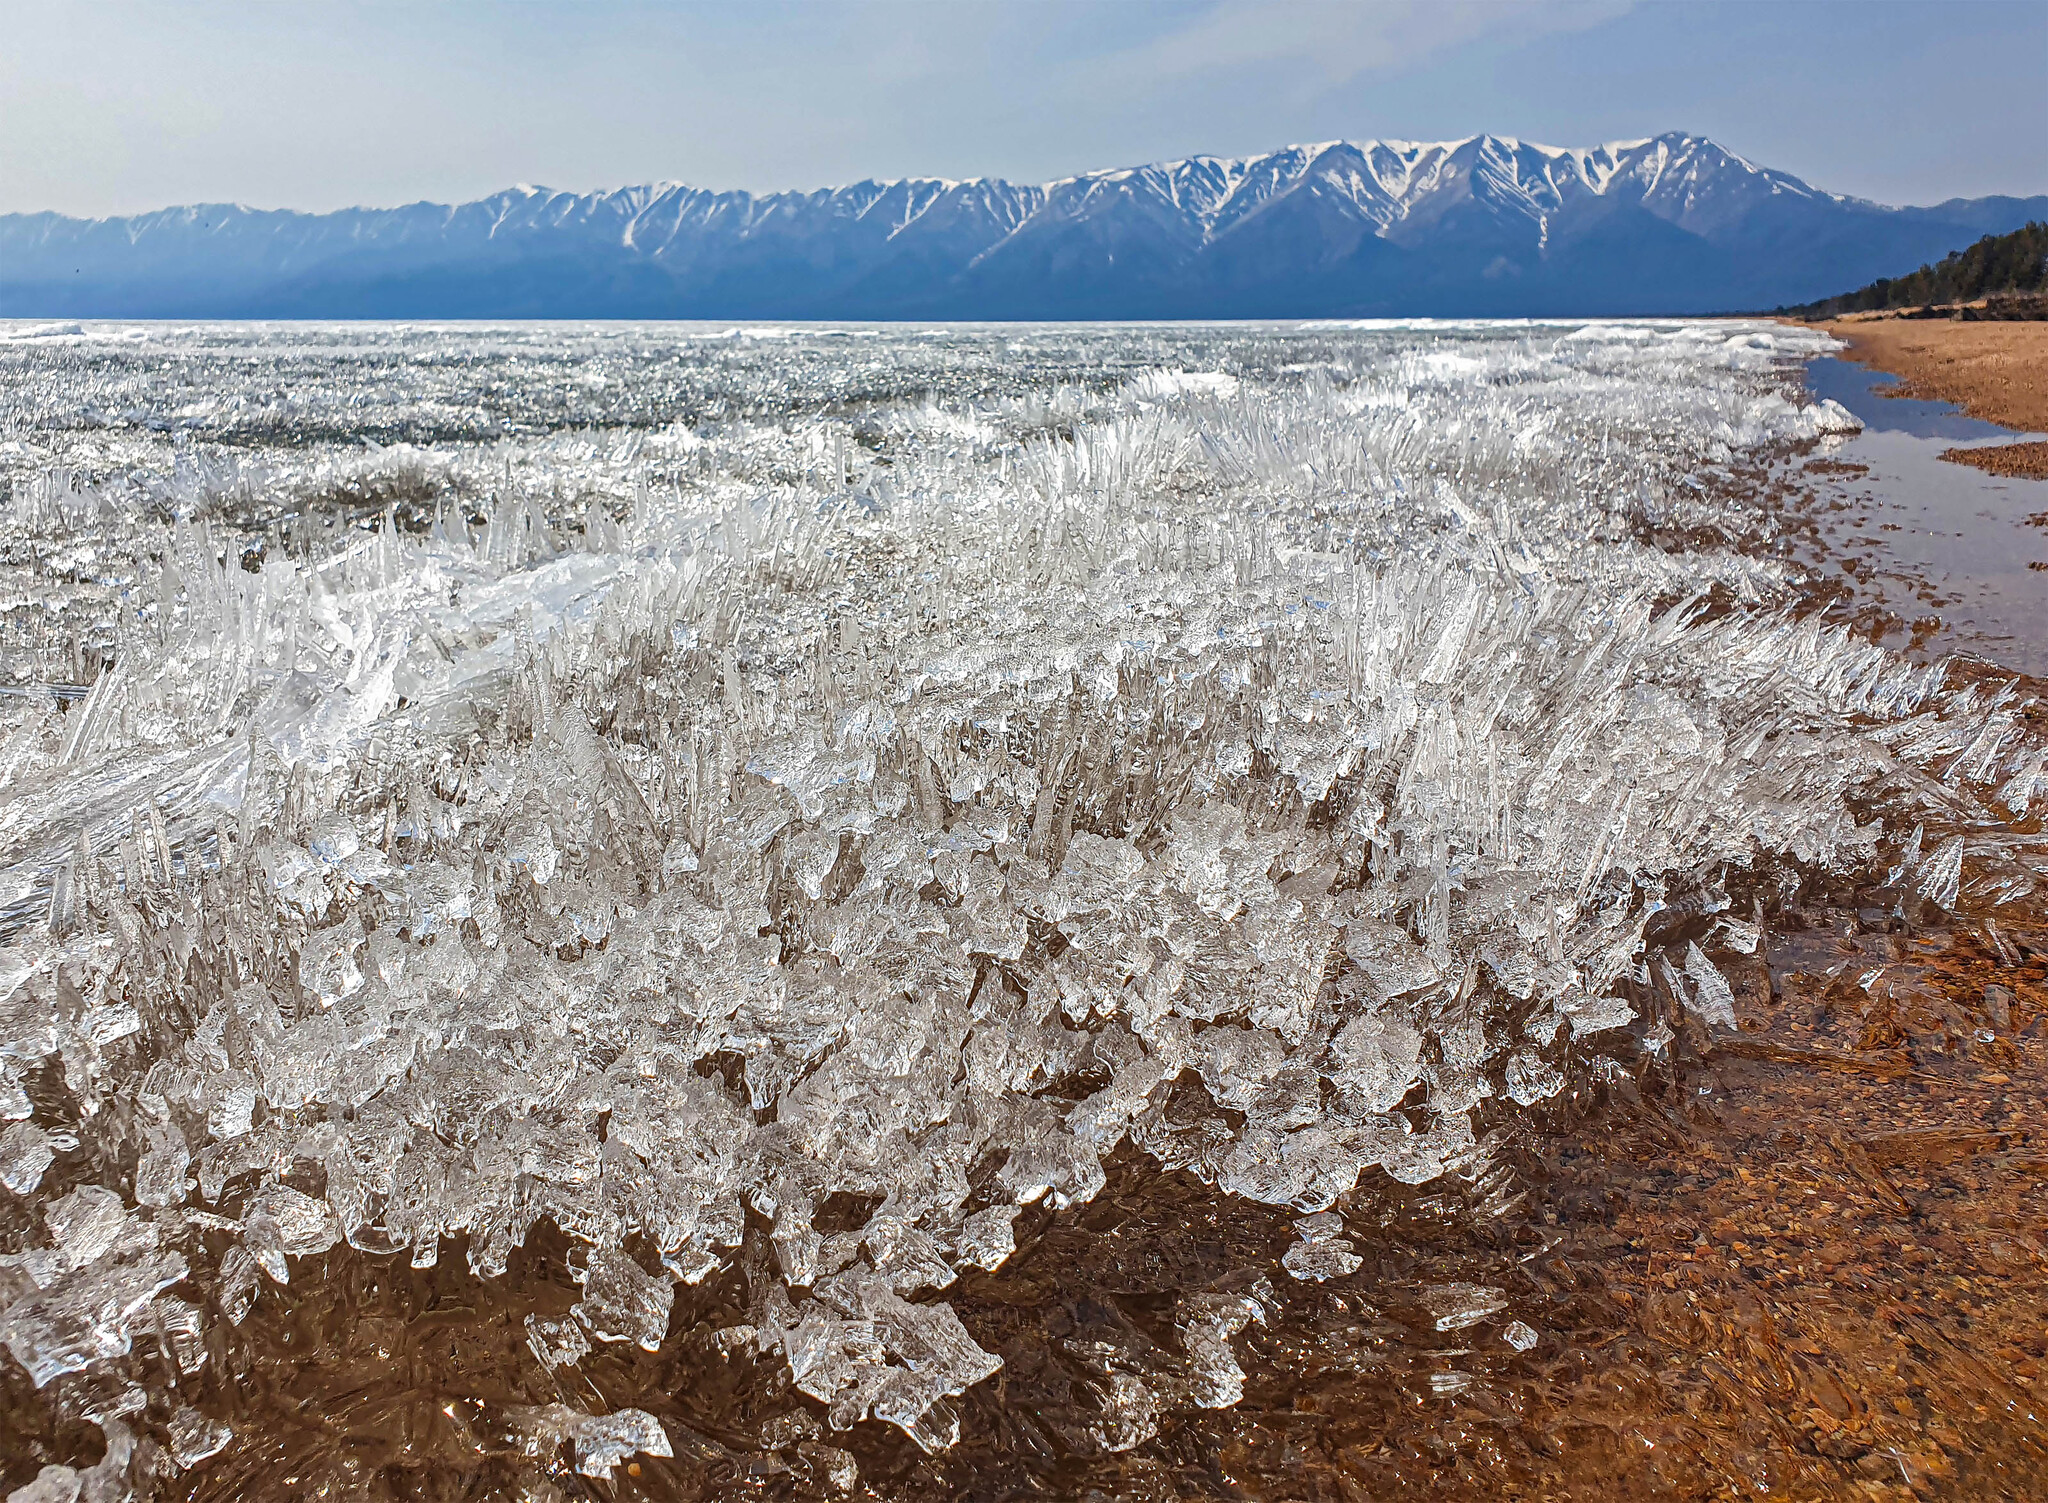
791, 802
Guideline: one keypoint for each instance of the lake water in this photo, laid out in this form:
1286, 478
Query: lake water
1941, 543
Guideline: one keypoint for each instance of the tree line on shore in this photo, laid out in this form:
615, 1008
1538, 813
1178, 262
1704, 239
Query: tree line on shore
1997, 264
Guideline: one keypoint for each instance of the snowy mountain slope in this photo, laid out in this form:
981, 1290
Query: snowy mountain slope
1486, 225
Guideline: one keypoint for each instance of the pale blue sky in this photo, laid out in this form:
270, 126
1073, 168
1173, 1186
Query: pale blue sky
114, 108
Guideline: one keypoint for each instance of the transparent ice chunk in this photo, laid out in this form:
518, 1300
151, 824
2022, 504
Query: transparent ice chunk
53, 1484
986, 1238
1712, 996
1531, 1078
1381, 1054
1323, 1252
160, 1174
87, 1222
1459, 1305
605, 1440
25, 1153
194, 1437
836, 1469
90, 1313
556, 1343
601, 1441
181, 1331
621, 1302
1208, 1321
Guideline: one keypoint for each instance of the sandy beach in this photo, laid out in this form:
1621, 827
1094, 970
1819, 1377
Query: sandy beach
1992, 370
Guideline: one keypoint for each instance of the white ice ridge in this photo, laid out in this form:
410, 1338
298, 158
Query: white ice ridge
897, 782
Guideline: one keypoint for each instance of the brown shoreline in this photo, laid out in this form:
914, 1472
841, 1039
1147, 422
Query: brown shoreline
2027, 461
1996, 371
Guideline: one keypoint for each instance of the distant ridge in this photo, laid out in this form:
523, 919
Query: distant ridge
1996, 267
1485, 226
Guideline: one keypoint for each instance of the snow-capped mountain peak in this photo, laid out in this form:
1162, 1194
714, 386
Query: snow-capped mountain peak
1487, 223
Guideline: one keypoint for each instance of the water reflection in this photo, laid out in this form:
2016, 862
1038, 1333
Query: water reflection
1955, 556
1865, 392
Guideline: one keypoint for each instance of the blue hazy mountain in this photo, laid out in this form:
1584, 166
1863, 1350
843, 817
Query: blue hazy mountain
1486, 226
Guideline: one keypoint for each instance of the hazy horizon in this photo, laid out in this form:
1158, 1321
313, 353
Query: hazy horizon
126, 108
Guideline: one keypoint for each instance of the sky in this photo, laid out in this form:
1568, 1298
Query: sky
112, 108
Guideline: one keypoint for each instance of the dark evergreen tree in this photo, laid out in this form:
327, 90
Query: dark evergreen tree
2014, 263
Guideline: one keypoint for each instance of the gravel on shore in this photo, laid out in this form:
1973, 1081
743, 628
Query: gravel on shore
2023, 461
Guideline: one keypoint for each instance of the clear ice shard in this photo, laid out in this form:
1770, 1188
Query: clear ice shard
860, 1348
556, 1343
87, 1314
1323, 1252
784, 778
194, 1437
53, 1484
25, 1153
1208, 1321
621, 1302
1712, 998
600, 1441
1459, 1305
606, 1440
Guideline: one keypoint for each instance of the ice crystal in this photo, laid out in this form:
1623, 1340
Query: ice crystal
622, 1303
25, 1153
1712, 997
53, 1484
194, 1437
1323, 1252
1520, 1335
556, 1343
900, 776
1457, 1306
601, 1441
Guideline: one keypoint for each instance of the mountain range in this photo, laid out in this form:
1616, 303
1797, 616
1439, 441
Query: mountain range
1485, 226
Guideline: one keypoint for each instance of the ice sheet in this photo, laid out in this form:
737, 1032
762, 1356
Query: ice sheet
458, 779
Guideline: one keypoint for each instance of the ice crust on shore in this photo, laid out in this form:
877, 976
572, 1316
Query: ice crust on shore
754, 773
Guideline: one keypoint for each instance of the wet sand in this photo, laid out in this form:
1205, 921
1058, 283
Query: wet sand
2025, 461
1995, 371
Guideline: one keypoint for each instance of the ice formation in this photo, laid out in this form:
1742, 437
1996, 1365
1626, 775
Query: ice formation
655, 784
